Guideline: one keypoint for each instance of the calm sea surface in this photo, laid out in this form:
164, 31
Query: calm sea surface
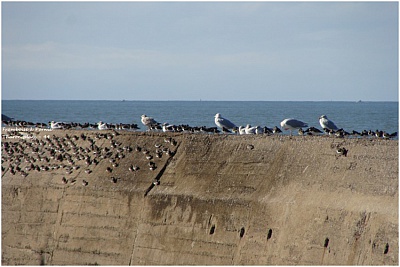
348, 115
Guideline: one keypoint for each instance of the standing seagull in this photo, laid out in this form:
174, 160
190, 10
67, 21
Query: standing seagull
223, 123
149, 122
292, 124
326, 123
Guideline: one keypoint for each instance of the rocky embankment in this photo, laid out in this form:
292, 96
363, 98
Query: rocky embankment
94, 197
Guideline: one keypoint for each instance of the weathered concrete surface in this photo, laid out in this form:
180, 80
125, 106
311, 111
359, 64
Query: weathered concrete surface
284, 201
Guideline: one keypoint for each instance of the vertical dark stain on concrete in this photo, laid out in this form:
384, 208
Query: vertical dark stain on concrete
158, 177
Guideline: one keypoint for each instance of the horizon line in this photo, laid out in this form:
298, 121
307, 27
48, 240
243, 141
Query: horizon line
200, 100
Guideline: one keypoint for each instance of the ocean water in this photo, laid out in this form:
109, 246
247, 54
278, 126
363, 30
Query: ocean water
347, 115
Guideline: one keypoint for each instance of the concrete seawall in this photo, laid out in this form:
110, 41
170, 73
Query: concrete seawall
221, 200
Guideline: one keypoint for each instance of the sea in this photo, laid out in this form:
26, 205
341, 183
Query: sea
347, 115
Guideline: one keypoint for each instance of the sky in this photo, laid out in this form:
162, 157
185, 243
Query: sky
222, 51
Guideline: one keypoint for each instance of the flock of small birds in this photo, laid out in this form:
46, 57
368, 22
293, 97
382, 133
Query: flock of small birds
223, 125
71, 125
364, 133
77, 156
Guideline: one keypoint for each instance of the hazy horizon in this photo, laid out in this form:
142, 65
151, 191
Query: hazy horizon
200, 100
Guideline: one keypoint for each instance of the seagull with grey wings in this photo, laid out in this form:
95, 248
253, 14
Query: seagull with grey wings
327, 123
149, 122
292, 124
223, 123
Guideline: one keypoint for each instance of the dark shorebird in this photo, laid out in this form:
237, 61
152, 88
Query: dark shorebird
156, 127
225, 130
133, 168
83, 136
134, 126
259, 130
341, 133
276, 130
127, 148
153, 167
313, 130
378, 134
355, 133
169, 153
329, 131
211, 130
342, 151
166, 127
386, 135
41, 125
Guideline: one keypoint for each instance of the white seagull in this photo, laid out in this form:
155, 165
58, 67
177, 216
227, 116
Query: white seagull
55, 125
241, 130
250, 130
327, 123
223, 123
292, 124
148, 121
102, 126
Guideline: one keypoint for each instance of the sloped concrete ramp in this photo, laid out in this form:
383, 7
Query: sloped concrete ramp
210, 200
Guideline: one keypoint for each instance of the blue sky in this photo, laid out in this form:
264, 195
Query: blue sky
306, 51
